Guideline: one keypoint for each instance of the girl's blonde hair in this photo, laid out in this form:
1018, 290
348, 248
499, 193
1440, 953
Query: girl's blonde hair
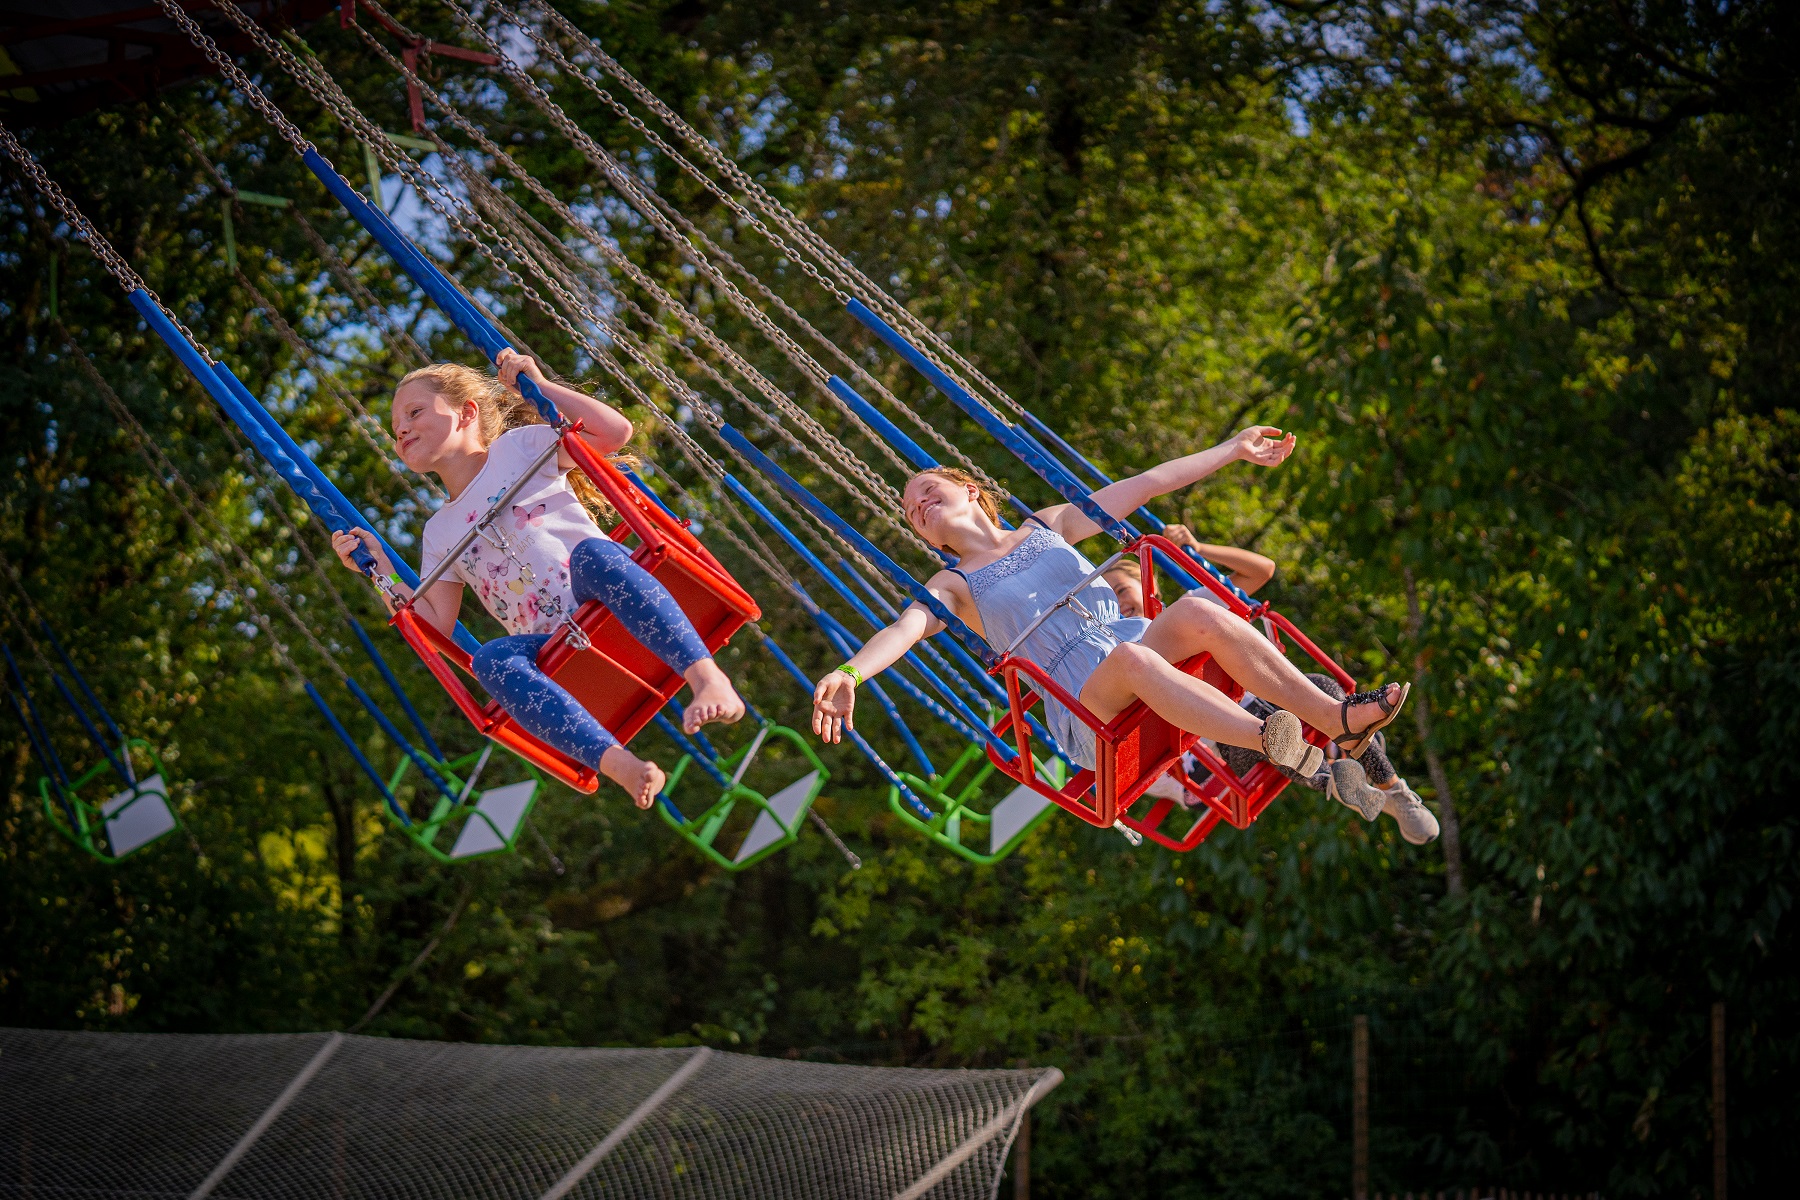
984, 495
500, 409
1129, 566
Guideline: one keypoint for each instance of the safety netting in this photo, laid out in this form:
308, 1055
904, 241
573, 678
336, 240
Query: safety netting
332, 1115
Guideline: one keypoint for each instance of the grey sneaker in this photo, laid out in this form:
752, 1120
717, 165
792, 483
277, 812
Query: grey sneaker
1349, 785
1417, 825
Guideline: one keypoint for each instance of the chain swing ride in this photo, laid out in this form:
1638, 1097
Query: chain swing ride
126, 819
580, 279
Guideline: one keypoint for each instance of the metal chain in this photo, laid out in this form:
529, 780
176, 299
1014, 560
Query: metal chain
234, 74
639, 197
480, 185
881, 389
102, 249
660, 295
216, 539
935, 348
749, 218
354, 289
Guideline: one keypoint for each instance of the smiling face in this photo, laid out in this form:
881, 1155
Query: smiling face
936, 506
427, 424
1130, 591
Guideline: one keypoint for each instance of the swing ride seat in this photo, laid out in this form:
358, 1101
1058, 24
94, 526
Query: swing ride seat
491, 819
1137, 747
120, 825
1223, 795
1008, 823
778, 816
607, 671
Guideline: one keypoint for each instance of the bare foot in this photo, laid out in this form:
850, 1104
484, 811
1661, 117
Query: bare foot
641, 779
714, 697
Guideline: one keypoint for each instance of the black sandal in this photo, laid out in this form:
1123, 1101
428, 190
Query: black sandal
1354, 744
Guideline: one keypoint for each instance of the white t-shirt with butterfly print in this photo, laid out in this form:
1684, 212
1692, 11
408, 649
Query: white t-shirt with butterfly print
519, 565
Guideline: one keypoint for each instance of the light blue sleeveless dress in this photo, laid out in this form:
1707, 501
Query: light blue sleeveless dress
1012, 590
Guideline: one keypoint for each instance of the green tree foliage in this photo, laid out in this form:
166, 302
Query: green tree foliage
1520, 275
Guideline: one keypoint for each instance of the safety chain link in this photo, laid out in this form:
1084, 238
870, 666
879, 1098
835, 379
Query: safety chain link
102, 249
644, 200
234, 74
865, 289
633, 346
353, 288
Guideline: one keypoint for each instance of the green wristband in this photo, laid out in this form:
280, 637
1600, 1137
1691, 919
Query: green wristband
855, 675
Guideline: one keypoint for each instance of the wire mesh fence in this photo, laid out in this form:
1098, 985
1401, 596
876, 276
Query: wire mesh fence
330, 1115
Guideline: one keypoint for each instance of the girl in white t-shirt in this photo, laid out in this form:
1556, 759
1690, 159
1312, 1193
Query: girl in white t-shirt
535, 564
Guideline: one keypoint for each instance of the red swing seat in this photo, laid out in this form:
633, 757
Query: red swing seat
612, 676
1137, 747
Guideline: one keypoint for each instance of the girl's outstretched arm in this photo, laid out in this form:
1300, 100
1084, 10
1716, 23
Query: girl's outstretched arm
834, 699
439, 606
1263, 445
603, 427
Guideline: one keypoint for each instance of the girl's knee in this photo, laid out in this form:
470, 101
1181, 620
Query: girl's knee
1201, 615
493, 660
1133, 657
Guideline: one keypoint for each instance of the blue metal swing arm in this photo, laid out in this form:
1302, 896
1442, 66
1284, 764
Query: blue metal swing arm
1029, 451
968, 719
868, 549
362, 760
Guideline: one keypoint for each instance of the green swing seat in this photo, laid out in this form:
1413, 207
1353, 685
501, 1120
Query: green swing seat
123, 823
1008, 823
778, 818
486, 822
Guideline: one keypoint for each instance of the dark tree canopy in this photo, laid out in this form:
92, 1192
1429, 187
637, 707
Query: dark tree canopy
1521, 275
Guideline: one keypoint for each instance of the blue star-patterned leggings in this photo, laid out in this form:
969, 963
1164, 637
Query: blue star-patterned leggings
598, 570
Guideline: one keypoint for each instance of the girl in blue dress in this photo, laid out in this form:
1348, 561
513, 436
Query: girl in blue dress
1006, 579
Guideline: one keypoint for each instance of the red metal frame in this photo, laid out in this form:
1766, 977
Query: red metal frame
414, 48
1137, 747
615, 678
